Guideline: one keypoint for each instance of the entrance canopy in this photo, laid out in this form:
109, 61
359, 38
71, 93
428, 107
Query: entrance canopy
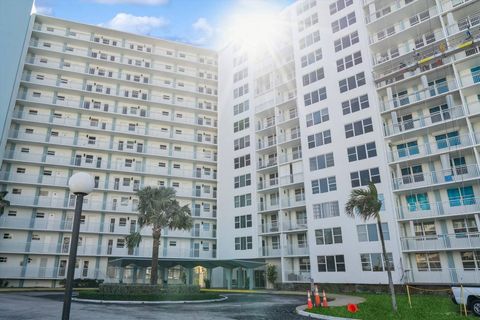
187, 263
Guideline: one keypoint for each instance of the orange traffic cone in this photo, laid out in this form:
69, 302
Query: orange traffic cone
309, 301
317, 297
325, 303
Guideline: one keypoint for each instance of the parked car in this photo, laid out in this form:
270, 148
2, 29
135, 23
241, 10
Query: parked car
471, 298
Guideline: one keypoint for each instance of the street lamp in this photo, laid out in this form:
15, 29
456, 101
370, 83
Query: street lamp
81, 184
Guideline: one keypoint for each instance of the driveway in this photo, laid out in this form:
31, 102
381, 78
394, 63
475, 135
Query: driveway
48, 305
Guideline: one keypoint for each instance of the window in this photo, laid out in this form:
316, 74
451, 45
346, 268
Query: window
448, 140
339, 5
307, 22
364, 177
242, 181
9, 236
428, 261
315, 96
172, 243
417, 201
463, 226
470, 260
324, 185
241, 143
313, 76
326, 210
3, 259
239, 75
407, 149
328, 236
240, 91
322, 161
20, 170
310, 39
312, 57
346, 41
244, 221
317, 117
120, 243
243, 200
16, 191
349, 61
243, 243
331, 263
305, 5
355, 104
369, 232
358, 128
352, 82
319, 139
241, 107
362, 151
375, 262
461, 196
343, 22
243, 161
241, 125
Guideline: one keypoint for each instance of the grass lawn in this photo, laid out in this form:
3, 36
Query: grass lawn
94, 294
378, 306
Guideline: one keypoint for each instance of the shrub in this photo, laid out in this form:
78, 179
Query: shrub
84, 283
207, 283
146, 289
272, 273
148, 297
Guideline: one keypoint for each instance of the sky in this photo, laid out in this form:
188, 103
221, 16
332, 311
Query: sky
197, 22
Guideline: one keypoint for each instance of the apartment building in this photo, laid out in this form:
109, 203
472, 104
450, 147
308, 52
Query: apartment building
132, 111
341, 93
426, 73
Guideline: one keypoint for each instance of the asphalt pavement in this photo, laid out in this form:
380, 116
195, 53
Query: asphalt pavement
238, 306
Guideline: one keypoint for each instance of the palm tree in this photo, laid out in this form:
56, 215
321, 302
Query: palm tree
365, 204
159, 209
3, 203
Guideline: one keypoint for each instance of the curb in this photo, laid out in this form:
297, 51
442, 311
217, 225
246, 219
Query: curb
223, 298
300, 310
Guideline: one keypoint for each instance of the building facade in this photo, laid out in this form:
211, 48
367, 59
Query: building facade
343, 93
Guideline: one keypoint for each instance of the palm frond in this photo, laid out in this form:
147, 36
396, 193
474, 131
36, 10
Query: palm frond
363, 203
133, 240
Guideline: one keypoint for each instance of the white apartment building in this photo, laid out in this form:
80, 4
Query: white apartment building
343, 93
130, 110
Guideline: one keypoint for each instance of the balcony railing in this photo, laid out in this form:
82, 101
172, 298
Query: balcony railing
419, 96
441, 242
268, 183
291, 225
286, 157
434, 118
442, 276
268, 207
423, 210
269, 227
270, 251
292, 179
267, 163
431, 148
296, 250
424, 179
293, 202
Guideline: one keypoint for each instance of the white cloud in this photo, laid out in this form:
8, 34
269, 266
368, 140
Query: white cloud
48, 11
136, 24
203, 30
140, 2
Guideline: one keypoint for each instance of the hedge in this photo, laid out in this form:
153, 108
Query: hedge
146, 289
147, 297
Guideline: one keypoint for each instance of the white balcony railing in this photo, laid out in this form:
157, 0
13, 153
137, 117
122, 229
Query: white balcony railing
441, 242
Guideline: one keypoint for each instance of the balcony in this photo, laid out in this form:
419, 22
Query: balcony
443, 276
296, 250
263, 125
429, 179
271, 162
284, 138
436, 118
297, 276
269, 251
291, 156
293, 202
292, 179
294, 225
419, 96
432, 148
263, 207
385, 11
34, 272
267, 184
266, 144
269, 228
427, 210
472, 79
441, 242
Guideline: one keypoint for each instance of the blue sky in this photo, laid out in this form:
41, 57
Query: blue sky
198, 22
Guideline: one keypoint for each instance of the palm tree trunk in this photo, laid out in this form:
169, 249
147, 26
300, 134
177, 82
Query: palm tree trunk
156, 233
387, 265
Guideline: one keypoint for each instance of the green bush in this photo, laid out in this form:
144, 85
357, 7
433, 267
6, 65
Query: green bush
147, 297
146, 289
84, 283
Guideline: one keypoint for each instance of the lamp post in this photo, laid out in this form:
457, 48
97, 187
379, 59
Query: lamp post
81, 184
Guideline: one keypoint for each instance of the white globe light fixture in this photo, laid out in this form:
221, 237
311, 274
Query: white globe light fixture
80, 184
